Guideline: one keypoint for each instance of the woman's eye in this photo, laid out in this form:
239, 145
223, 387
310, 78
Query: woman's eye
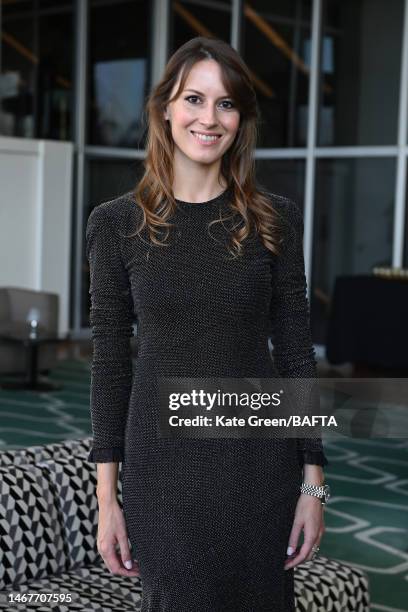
189, 98
231, 104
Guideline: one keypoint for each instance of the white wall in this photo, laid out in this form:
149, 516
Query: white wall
35, 217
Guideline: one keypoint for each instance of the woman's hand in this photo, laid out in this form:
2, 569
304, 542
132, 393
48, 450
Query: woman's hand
309, 516
112, 532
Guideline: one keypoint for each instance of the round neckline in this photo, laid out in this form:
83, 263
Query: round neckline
212, 201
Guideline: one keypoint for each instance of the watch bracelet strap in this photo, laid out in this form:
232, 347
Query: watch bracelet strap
315, 490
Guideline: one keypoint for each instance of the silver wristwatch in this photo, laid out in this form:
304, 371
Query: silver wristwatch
322, 492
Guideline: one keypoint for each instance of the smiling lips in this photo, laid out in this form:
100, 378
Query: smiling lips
206, 139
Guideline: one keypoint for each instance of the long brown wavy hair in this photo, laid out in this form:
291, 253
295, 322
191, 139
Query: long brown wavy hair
154, 191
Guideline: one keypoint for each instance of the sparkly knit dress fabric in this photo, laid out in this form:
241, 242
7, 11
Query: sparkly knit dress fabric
208, 519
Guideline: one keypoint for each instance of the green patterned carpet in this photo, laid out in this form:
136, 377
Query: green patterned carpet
366, 519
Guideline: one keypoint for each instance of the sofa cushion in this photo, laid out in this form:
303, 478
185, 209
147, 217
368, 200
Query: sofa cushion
92, 588
34, 454
74, 480
320, 586
32, 544
325, 584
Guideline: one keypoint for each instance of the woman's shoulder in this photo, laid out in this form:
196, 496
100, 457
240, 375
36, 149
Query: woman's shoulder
120, 212
282, 203
288, 209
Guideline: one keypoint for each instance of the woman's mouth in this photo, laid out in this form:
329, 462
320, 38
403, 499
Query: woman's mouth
206, 139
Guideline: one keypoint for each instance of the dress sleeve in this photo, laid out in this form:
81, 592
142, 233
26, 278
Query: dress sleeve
111, 321
293, 352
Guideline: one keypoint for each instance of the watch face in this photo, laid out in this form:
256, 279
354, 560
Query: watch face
326, 491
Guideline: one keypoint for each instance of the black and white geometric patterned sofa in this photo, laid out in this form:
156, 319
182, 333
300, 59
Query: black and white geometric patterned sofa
48, 529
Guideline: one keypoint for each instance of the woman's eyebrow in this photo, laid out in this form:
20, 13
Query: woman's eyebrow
200, 93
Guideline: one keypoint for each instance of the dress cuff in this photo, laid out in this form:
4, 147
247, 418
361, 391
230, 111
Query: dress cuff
312, 457
106, 455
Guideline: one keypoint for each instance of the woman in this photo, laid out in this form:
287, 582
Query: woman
211, 522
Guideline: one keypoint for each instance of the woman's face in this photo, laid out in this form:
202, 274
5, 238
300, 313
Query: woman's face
204, 120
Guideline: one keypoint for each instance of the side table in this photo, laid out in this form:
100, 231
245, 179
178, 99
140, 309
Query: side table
32, 342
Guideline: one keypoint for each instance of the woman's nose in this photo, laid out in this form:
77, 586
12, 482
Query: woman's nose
208, 116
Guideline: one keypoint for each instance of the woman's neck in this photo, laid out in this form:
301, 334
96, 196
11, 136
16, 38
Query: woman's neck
197, 183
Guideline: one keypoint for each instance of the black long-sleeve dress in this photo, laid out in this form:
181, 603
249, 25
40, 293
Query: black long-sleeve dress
208, 519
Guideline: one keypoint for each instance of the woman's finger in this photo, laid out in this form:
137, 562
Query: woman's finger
317, 542
294, 537
125, 555
113, 562
302, 554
